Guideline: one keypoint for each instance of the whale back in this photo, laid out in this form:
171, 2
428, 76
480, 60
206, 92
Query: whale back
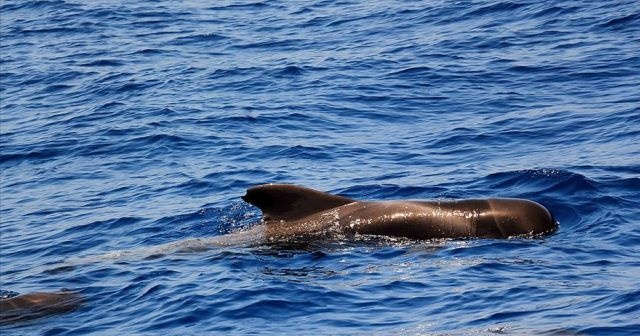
288, 202
38, 304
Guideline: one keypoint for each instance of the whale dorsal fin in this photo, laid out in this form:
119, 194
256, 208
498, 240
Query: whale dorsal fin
290, 202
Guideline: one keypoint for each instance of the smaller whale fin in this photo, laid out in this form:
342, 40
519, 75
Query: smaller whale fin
290, 202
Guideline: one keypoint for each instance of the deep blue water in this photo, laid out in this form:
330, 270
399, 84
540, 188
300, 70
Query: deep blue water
126, 125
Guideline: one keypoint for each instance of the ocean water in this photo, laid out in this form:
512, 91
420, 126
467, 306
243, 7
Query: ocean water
126, 125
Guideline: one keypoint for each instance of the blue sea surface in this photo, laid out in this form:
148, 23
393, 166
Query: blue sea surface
127, 125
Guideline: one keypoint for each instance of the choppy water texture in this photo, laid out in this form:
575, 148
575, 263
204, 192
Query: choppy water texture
127, 125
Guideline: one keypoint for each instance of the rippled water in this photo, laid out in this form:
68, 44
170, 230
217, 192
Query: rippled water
129, 125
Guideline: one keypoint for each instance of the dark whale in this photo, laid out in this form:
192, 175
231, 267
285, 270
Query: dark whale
290, 210
37, 304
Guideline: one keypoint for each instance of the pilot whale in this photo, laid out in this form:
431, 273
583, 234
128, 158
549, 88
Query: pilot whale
293, 213
38, 304
290, 210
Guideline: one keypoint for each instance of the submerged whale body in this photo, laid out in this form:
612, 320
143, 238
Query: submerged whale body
292, 210
37, 304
